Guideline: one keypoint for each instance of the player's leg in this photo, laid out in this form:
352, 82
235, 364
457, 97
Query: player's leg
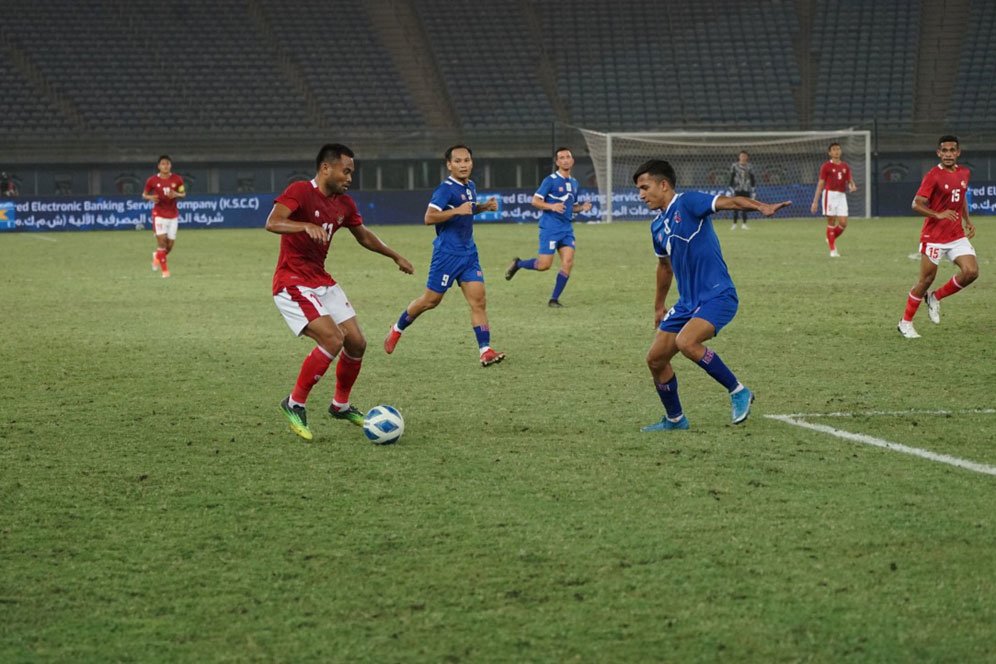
566, 251
928, 271
428, 300
473, 292
347, 369
968, 271
711, 317
832, 234
161, 229
542, 262
662, 350
443, 272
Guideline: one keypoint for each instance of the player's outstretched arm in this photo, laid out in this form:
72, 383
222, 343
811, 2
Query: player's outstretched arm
744, 203
369, 240
279, 222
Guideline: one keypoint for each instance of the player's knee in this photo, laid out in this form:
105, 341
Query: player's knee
331, 341
355, 346
686, 346
543, 266
968, 275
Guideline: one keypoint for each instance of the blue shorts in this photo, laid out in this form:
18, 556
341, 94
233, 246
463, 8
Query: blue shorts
446, 269
719, 311
550, 241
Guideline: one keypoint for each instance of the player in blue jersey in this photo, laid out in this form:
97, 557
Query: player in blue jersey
557, 196
454, 254
688, 250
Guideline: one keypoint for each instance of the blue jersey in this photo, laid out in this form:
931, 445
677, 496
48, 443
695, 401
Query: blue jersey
555, 188
455, 235
684, 232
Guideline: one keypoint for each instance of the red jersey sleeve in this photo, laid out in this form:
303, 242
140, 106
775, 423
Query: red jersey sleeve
825, 171
150, 185
927, 184
293, 196
353, 218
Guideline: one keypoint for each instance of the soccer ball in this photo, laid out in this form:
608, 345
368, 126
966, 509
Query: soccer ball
383, 425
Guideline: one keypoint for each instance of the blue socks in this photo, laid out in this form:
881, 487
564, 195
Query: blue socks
405, 320
668, 392
559, 286
529, 264
719, 371
483, 334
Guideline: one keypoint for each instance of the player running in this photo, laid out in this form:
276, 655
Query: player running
946, 232
557, 196
687, 249
163, 190
836, 176
306, 216
454, 254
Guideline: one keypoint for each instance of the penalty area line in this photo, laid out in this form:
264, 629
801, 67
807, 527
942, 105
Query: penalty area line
888, 445
895, 413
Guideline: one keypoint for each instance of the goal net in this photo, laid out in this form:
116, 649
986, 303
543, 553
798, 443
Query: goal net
786, 166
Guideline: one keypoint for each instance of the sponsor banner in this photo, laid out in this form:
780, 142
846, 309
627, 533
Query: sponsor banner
391, 207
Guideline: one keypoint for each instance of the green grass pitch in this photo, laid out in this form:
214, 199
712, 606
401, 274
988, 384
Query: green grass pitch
154, 505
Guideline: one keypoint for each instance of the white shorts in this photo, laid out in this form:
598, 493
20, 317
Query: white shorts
164, 226
301, 305
950, 250
834, 203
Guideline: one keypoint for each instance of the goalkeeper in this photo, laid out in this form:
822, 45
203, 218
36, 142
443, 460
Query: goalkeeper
742, 183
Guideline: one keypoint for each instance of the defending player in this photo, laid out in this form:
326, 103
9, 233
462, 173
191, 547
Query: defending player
557, 196
163, 189
306, 216
947, 229
835, 176
454, 254
687, 249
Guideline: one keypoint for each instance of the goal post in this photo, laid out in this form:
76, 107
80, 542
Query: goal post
786, 165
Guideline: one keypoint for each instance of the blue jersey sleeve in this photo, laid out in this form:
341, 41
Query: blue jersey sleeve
545, 186
440, 198
698, 203
659, 238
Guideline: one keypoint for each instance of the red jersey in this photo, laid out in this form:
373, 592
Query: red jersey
944, 190
835, 176
302, 260
166, 206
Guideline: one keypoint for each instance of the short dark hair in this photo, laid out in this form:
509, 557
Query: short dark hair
947, 138
743, 152
332, 152
562, 148
449, 151
833, 144
658, 169
164, 156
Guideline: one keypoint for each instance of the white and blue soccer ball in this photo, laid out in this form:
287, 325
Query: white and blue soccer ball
383, 425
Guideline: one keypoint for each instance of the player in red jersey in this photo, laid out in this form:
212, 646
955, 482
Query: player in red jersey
836, 178
945, 234
306, 216
163, 190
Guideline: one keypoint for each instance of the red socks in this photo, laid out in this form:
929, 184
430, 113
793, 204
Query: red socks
161, 257
346, 371
312, 370
834, 232
912, 304
949, 288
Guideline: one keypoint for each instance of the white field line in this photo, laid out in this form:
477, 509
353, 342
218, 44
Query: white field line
888, 445
40, 237
894, 413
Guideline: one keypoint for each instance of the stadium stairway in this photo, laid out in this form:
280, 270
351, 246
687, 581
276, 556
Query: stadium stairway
942, 25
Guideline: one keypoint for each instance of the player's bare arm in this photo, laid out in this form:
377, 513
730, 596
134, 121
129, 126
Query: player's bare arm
744, 203
582, 207
279, 222
540, 204
434, 216
816, 196
920, 207
852, 186
152, 198
369, 240
966, 222
490, 205
664, 277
